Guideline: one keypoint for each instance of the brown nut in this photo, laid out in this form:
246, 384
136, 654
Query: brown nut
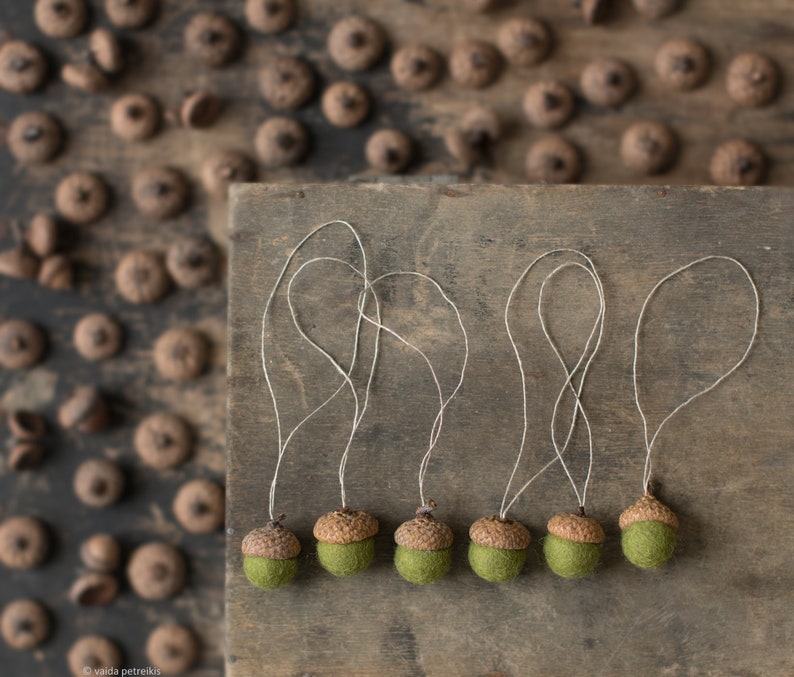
656, 9
130, 13
57, 273
98, 483
25, 624
23, 67
18, 262
85, 410
416, 67
213, 39
42, 235
389, 150
22, 344
82, 197
548, 104
181, 354
752, 80
345, 104
160, 192
607, 82
97, 653
192, 261
356, 43
270, 16
163, 440
553, 159
225, 167
25, 456
141, 277
106, 51
26, 426
101, 552
60, 18
682, 64
281, 142
199, 506
34, 137
474, 64
286, 82
24, 543
134, 117
84, 76
648, 147
199, 110
156, 571
737, 163
94, 589
172, 648
97, 336
524, 41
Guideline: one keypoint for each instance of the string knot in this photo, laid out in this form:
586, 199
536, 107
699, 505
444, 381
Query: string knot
426, 510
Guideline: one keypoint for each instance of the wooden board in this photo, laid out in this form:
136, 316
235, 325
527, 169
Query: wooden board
721, 606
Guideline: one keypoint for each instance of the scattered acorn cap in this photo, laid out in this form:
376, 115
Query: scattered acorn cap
84, 76
57, 272
213, 39
171, 648
594, 11
106, 51
647, 509
97, 336
648, 147
343, 526
25, 456
156, 571
135, 117
181, 353
607, 82
22, 344
160, 192
19, 263
26, 426
60, 18
553, 159
479, 129
98, 482
223, 168
345, 104
424, 532
24, 542
199, 506
389, 150
656, 9
23, 67
498, 532
270, 16
682, 64
130, 13
25, 624
576, 528
98, 653
82, 197
42, 235
141, 277
416, 67
737, 162
286, 82
752, 80
199, 110
94, 589
163, 440
356, 43
548, 104
85, 410
281, 142
192, 261
474, 64
101, 552
34, 137
524, 41
272, 541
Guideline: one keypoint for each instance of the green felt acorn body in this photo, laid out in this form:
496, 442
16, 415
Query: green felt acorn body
649, 533
345, 541
573, 545
498, 548
270, 555
424, 548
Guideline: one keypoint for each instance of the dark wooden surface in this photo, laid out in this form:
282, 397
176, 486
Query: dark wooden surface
721, 606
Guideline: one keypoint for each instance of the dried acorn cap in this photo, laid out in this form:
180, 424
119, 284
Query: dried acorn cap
524, 41
345, 104
548, 104
273, 541
84, 76
18, 262
156, 571
344, 526
199, 506
34, 137
199, 110
192, 261
213, 39
97, 336
270, 16
22, 344
23, 67
356, 43
42, 234
416, 67
474, 64
82, 197
497, 532
286, 82
171, 648
594, 11
752, 80
607, 82
25, 624
656, 9
160, 192
576, 528
95, 652
389, 150
181, 353
56, 272
25, 456
60, 18
648, 147
553, 159
647, 509
682, 64
134, 117
106, 50
85, 410
101, 552
130, 13
98, 482
94, 589
141, 277
281, 142
163, 440
24, 543
26, 426
225, 167
424, 532
737, 163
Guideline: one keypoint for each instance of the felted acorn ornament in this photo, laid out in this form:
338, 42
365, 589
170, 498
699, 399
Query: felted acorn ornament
345, 541
498, 548
649, 530
270, 555
573, 545
424, 548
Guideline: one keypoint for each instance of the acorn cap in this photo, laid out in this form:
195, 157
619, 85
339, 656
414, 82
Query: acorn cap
344, 526
424, 532
503, 533
576, 528
272, 541
647, 509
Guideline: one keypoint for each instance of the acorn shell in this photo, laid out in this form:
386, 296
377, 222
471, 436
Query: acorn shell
344, 526
272, 541
576, 528
496, 532
424, 532
647, 509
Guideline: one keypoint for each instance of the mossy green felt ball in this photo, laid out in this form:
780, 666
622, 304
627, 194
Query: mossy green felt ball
570, 559
648, 545
497, 565
422, 566
346, 559
269, 574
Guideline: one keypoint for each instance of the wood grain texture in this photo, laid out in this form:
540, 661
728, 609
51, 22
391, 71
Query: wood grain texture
721, 606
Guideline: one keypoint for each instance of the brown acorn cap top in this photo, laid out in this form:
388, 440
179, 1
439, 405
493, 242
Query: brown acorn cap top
576, 528
273, 541
424, 532
647, 509
497, 532
343, 525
